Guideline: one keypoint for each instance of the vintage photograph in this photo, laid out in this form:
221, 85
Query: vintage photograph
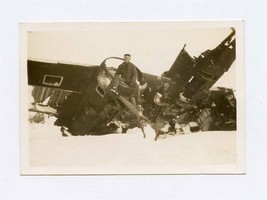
132, 98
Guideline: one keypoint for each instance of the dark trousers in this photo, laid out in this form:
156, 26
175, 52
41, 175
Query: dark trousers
135, 97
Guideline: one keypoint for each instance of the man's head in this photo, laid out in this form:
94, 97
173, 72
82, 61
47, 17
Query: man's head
127, 58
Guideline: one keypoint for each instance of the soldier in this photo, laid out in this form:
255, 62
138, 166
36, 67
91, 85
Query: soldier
129, 75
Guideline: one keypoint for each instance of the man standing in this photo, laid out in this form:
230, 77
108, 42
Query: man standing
128, 73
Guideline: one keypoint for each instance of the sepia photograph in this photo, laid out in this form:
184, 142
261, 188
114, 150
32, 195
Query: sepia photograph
101, 98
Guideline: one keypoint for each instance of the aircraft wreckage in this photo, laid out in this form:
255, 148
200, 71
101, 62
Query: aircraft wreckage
87, 100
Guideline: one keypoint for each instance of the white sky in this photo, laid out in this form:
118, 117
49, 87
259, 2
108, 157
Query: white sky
153, 46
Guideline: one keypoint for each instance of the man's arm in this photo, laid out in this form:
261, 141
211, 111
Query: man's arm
134, 75
118, 72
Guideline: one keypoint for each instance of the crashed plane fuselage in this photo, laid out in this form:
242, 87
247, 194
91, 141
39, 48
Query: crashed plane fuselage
85, 100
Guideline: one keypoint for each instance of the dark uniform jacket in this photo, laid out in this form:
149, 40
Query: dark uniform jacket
128, 72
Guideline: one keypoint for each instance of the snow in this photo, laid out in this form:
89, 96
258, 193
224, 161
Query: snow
128, 153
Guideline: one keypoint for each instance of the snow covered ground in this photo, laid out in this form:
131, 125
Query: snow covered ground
127, 153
